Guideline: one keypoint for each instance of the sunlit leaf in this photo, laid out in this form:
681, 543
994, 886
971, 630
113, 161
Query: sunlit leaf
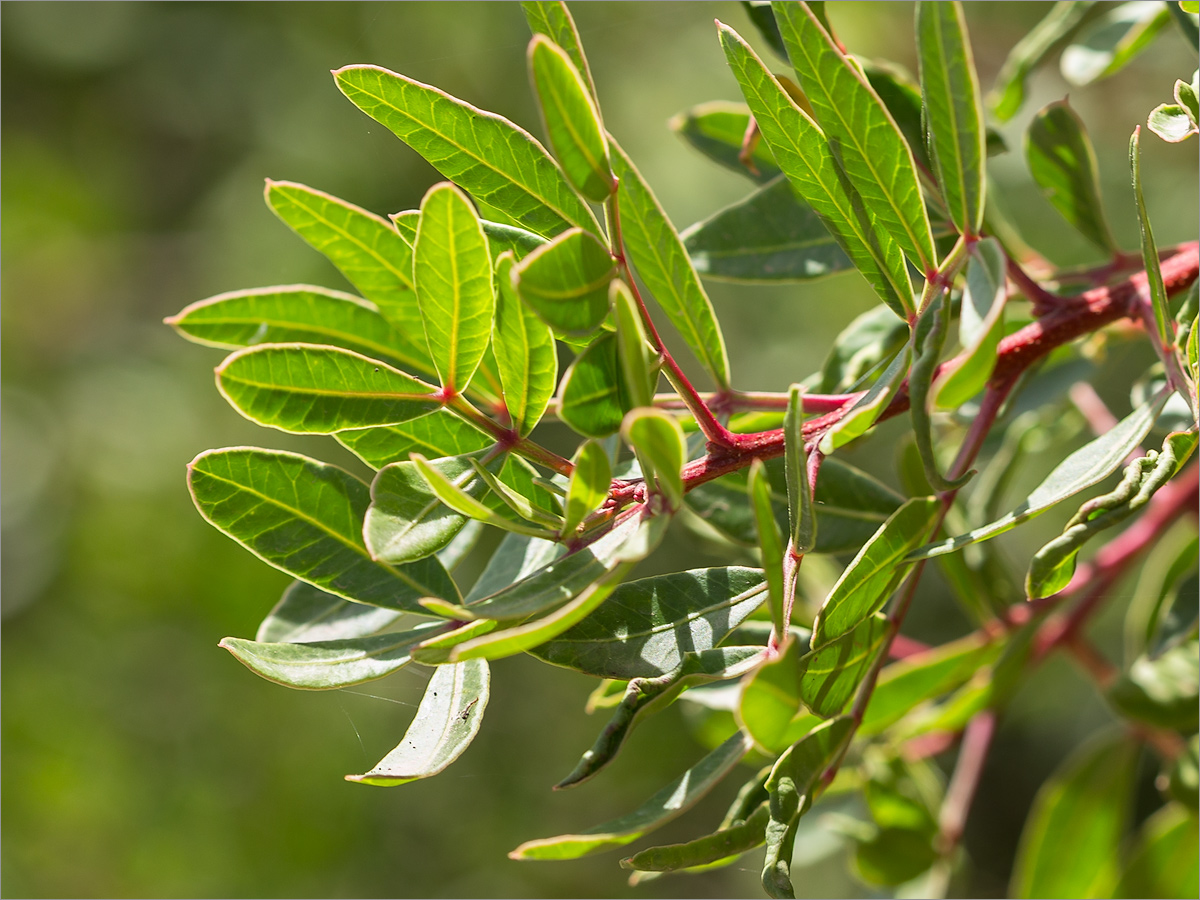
830, 673
435, 435
728, 842
980, 326
588, 485
658, 441
1164, 861
566, 282
591, 397
1154, 279
867, 409
525, 354
553, 19
1163, 691
800, 502
770, 545
305, 614
637, 357
1108, 43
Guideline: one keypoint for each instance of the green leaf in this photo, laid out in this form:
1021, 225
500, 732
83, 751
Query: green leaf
495, 161
638, 358
1072, 839
1163, 691
657, 439
553, 19
800, 502
770, 545
1108, 43
509, 238
871, 338
1154, 279
893, 856
407, 520
954, 111
461, 502
525, 500
760, 13
980, 326
305, 614
791, 786
831, 672
1172, 122
875, 572
452, 271
525, 354
647, 626
662, 262
644, 696
325, 665
735, 840
304, 517
769, 707
438, 434
591, 398
1085, 467
802, 152
1158, 587
1063, 163
446, 722
309, 389
675, 798
1183, 775
718, 129
299, 314
769, 236
863, 414
566, 282
862, 134
1164, 861
588, 486
1008, 93
571, 118
902, 97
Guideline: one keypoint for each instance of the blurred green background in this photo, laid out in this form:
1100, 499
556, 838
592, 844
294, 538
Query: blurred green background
141, 760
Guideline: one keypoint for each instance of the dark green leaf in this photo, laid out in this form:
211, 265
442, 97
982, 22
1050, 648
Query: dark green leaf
662, 262
309, 389
954, 111
1162, 692
1164, 861
305, 614
525, 354
763, 17
872, 337
435, 435
1183, 775
553, 19
1154, 279
502, 238
453, 495
863, 136
873, 575
566, 282
588, 486
674, 799
590, 396
1062, 162
770, 546
661, 449
831, 673
733, 841
305, 518
446, 722
767, 237
893, 856
980, 326
1108, 43
646, 627
1008, 93
638, 358
902, 97
800, 502
1158, 588
867, 409
407, 520
571, 118
495, 161
1071, 844
718, 130
325, 665
802, 152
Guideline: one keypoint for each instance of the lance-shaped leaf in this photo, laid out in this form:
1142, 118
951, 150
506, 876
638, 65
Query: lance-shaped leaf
645, 696
980, 326
524, 498
447, 720
1159, 588
553, 19
831, 673
1071, 844
503, 238
862, 134
452, 271
300, 314
517, 557
1163, 862
954, 111
718, 130
366, 248
591, 396
799, 490
874, 573
566, 282
662, 262
571, 118
305, 518
738, 838
1063, 163
1108, 43
672, 800
1154, 279
767, 237
869, 407
305, 614
661, 449
309, 389
438, 434
802, 152
525, 353
638, 359
791, 785
460, 501
770, 546
647, 627
1087, 466
1008, 93
902, 97
326, 665
588, 485
495, 161
769, 708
